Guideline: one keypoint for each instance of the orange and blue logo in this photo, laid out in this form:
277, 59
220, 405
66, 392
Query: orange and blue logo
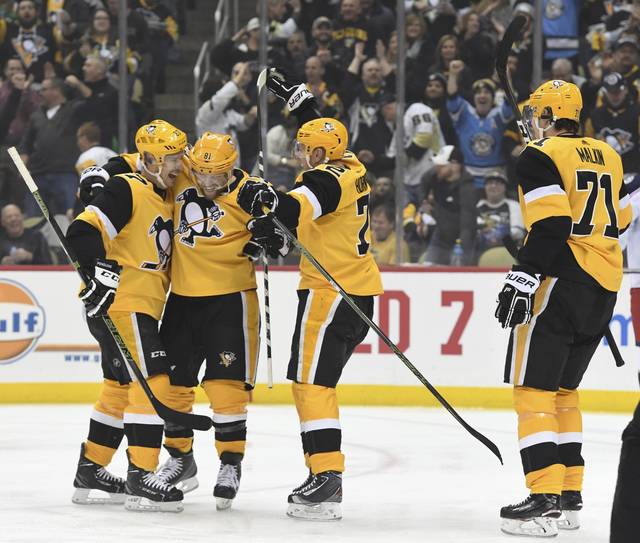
22, 321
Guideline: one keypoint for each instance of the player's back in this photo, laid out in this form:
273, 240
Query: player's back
586, 174
340, 239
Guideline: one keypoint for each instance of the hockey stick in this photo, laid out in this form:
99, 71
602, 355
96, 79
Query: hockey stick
504, 47
196, 422
262, 80
480, 437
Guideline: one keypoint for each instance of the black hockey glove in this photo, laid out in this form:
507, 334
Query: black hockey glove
252, 250
273, 240
92, 180
515, 300
254, 196
294, 94
100, 292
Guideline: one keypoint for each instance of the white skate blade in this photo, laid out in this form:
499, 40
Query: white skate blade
93, 496
570, 520
223, 504
321, 511
187, 485
138, 503
535, 527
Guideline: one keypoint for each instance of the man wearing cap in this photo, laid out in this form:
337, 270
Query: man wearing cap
435, 96
497, 215
450, 190
243, 46
321, 47
625, 62
480, 127
616, 121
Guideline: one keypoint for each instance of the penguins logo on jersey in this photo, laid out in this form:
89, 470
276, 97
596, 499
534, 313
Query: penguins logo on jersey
227, 358
197, 217
482, 144
163, 231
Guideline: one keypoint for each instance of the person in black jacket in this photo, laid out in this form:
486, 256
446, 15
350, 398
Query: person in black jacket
20, 246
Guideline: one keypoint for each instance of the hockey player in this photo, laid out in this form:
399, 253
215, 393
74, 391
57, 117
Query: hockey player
558, 300
123, 241
329, 208
212, 312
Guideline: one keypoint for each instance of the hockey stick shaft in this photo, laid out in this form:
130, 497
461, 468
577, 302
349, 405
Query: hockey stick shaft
305, 252
196, 422
511, 35
262, 79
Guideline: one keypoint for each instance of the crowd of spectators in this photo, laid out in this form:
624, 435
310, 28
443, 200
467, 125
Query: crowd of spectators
460, 136
59, 96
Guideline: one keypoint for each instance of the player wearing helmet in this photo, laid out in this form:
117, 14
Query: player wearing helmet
212, 312
328, 207
558, 300
123, 240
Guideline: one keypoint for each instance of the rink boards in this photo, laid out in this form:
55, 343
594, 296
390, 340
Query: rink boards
442, 320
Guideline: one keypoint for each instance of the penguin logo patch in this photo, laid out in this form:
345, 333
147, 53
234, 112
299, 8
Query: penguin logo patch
227, 358
198, 217
163, 231
328, 127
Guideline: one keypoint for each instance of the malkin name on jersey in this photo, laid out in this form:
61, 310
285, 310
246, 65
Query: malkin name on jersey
593, 156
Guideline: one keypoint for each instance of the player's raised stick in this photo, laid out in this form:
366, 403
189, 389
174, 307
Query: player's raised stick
262, 79
305, 252
189, 420
511, 35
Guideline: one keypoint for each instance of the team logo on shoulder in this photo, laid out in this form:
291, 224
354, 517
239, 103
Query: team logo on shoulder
227, 358
198, 217
163, 231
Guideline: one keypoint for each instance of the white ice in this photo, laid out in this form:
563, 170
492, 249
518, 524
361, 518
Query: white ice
412, 474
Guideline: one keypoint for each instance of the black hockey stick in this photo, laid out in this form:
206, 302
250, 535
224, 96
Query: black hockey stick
511, 35
196, 422
262, 80
480, 437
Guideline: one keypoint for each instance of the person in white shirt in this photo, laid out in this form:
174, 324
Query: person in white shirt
91, 152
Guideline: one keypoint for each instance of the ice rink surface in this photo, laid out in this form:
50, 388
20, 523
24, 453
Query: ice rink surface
412, 474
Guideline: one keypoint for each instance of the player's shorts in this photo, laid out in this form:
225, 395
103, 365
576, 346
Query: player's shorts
327, 332
554, 349
223, 330
140, 334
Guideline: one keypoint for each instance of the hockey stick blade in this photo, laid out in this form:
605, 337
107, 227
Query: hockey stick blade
312, 260
196, 422
262, 79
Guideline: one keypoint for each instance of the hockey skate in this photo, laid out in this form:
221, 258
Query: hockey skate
95, 485
536, 516
179, 470
571, 504
228, 480
318, 499
147, 492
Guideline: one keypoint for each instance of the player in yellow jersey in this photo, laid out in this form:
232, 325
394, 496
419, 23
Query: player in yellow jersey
558, 300
123, 240
212, 312
328, 207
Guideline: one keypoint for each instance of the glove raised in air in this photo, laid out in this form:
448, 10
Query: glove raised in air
92, 181
515, 300
100, 292
293, 93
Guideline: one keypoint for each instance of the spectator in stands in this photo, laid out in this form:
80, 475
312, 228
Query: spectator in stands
137, 28
625, 62
375, 146
19, 246
435, 96
31, 41
480, 127
282, 167
382, 192
477, 48
321, 47
91, 152
450, 191
447, 51
362, 96
296, 54
420, 53
383, 236
222, 111
163, 34
98, 98
561, 68
71, 17
49, 149
349, 29
380, 19
329, 103
243, 46
497, 215
282, 18
616, 121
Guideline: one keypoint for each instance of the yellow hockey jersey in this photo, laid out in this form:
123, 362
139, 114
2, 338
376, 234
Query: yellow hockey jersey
135, 221
208, 259
334, 226
581, 178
